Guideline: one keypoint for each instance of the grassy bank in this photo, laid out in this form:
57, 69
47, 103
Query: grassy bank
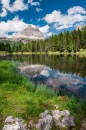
19, 98
3, 53
81, 52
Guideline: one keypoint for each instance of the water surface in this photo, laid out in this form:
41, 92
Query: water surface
67, 74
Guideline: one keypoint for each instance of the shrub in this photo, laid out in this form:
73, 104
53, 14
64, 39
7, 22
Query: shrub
43, 91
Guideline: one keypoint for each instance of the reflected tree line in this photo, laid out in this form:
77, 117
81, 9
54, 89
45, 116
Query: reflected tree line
66, 64
67, 41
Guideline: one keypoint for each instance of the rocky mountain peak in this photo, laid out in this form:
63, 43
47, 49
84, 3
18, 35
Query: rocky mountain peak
30, 33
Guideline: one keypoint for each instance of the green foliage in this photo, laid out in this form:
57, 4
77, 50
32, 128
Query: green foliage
43, 91
1, 110
30, 86
77, 107
34, 110
17, 94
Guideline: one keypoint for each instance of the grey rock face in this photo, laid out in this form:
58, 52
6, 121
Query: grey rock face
63, 118
30, 33
45, 122
9, 119
12, 123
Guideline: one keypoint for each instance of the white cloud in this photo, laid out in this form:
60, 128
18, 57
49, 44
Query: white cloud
74, 15
17, 25
4, 12
14, 25
76, 10
48, 34
15, 6
62, 26
80, 24
31, 2
44, 29
39, 9
34, 26
3, 34
53, 17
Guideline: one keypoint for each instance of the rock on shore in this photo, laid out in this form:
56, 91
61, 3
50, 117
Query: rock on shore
12, 123
57, 118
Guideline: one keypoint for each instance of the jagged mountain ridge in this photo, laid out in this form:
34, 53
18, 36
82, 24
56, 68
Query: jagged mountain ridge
30, 33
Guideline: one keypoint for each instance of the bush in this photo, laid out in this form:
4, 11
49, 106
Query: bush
43, 91
30, 86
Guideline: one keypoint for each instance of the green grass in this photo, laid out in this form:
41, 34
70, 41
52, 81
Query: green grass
17, 95
2, 53
19, 98
43, 91
81, 53
77, 108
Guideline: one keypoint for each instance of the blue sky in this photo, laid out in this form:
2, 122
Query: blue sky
51, 16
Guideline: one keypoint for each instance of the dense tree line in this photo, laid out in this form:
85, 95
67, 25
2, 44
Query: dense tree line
67, 41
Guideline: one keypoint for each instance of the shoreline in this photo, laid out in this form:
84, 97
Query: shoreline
80, 53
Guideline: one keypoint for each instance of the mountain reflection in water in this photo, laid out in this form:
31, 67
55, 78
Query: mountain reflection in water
67, 74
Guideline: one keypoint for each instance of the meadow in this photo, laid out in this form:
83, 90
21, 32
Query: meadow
20, 97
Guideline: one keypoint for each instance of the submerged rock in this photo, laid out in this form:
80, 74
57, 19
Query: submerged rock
12, 123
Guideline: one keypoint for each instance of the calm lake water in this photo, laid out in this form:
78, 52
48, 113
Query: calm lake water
67, 74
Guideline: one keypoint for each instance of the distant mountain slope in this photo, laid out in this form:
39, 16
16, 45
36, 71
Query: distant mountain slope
30, 33
79, 27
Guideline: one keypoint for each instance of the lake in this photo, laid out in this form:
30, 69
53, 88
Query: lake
65, 74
